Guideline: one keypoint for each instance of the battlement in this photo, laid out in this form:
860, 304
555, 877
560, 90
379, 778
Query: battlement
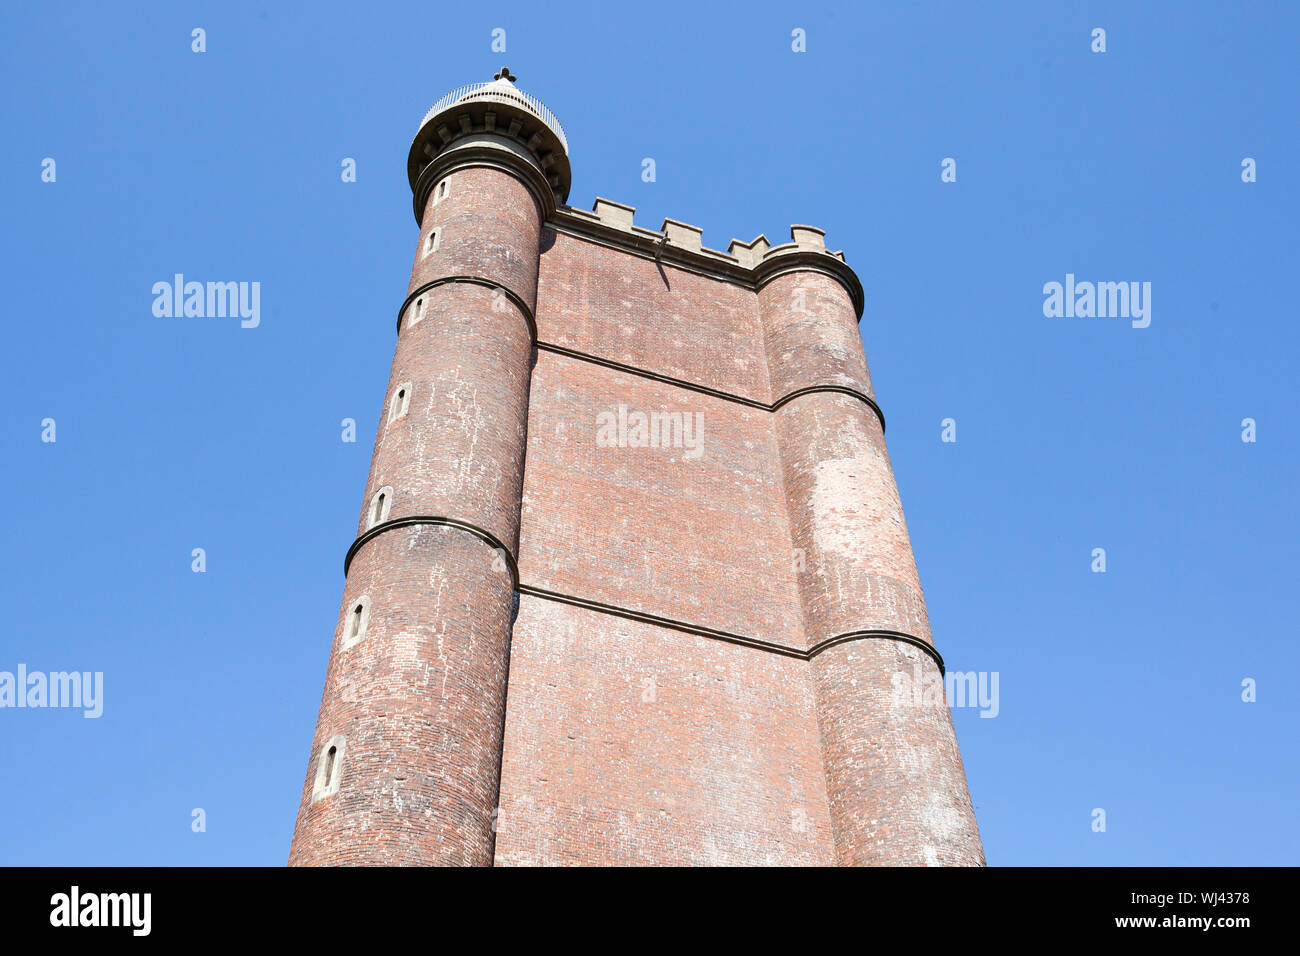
682, 235
680, 243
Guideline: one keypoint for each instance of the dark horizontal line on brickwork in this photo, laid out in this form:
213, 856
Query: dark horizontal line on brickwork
715, 393
527, 313
600, 607
756, 643
437, 520
510, 294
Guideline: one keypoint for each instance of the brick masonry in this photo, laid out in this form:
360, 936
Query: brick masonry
582, 651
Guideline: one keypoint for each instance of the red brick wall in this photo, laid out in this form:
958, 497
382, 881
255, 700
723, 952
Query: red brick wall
632, 744
810, 333
787, 529
687, 679
702, 540
420, 701
895, 783
458, 451
652, 316
490, 227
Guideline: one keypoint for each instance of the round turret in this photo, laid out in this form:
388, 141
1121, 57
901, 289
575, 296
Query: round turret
495, 110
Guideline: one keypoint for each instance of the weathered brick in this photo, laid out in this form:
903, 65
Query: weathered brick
700, 662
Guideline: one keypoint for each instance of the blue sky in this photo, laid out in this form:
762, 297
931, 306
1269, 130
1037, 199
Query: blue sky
1119, 690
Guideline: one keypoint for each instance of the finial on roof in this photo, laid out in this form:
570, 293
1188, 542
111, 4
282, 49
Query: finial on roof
504, 74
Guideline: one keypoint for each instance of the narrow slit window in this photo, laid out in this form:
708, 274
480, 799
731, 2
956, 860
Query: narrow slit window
417, 311
356, 622
431, 241
329, 771
400, 402
380, 505
440, 193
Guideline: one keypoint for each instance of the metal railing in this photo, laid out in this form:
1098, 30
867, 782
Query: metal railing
500, 93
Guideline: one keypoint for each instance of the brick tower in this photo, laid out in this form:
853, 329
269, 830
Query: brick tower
631, 583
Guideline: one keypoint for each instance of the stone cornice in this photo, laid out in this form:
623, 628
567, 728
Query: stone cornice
512, 567
617, 366
714, 392
648, 244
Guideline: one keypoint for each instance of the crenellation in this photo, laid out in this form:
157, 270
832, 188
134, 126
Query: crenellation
614, 213
718, 254
748, 253
584, 214
682, 234
686, 238
808, 236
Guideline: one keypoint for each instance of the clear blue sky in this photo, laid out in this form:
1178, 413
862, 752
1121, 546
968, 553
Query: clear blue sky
1119, 690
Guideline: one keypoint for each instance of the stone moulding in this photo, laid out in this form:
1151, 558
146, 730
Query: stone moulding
805, 654
407, 521
515, 298
488, 152
527, 313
